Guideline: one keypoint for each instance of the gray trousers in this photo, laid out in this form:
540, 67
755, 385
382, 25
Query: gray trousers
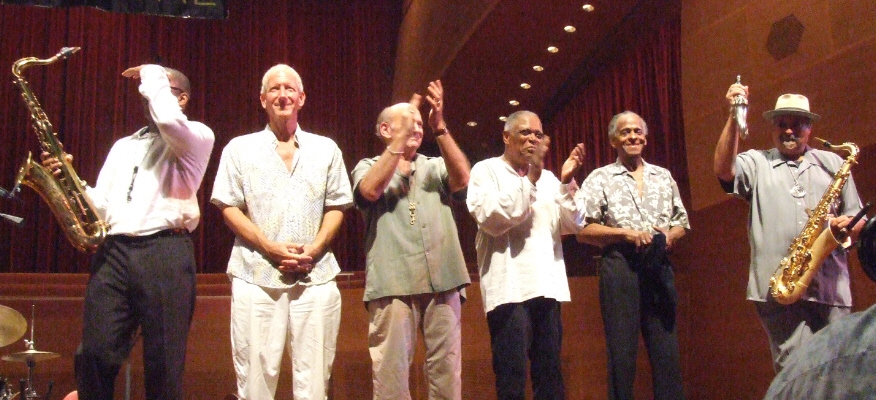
788, 327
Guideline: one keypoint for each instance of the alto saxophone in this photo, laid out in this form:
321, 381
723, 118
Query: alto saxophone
814, 243
65, 193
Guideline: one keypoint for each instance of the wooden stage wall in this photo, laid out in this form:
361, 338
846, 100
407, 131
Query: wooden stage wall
209, 371
723, 347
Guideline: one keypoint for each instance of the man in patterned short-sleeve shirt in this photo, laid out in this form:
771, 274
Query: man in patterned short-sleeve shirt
283, 191
633, 211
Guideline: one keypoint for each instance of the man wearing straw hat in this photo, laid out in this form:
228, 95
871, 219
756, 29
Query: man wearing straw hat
780, 185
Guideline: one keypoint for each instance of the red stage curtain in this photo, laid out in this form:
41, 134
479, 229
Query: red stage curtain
343, 50
645, 79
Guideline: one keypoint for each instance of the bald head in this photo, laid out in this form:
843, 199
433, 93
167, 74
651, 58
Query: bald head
392, 116
179, 80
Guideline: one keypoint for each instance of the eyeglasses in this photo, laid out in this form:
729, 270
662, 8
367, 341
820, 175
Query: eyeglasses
526, 132
794, 124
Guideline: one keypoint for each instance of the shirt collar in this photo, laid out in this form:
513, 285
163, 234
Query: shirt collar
144, 133
776, 160
300, 137
618, 168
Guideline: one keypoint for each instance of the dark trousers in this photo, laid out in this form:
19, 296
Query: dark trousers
633, 301
530, 330
146, 282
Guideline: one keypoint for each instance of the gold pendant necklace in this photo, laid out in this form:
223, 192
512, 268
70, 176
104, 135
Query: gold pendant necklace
412, 204
412, 207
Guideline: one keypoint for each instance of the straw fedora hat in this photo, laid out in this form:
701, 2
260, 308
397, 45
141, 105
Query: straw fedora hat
792, 104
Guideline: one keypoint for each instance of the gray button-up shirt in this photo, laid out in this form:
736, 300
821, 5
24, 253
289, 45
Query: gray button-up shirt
764, 179
405, 259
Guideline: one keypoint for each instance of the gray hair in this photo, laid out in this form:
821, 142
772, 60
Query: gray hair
278, 68
612, 126
515, 116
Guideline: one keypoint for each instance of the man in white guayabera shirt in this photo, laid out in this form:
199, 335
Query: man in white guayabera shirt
283, 191
521, 211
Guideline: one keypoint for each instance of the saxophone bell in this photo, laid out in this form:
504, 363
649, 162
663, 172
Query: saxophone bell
739, 110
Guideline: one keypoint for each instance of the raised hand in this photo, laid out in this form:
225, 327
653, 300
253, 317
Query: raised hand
133, 72
536, 159
573, 163
415, 100
436, 100
736, 89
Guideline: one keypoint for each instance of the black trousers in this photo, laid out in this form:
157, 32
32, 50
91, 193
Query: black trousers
530, 330
146, 282
634, 300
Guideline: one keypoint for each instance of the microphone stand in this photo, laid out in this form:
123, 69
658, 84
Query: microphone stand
9, 194
17, 221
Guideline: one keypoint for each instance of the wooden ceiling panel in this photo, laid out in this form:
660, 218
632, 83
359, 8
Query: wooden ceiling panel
497, 56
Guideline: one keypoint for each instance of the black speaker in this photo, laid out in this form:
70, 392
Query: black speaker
867, 249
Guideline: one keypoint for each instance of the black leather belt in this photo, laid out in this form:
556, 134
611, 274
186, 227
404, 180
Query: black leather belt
172, 232
161, 233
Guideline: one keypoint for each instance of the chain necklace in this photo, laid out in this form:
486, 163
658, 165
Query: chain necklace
797, 190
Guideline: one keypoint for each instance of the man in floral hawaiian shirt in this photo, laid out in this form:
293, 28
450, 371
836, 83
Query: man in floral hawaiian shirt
633, 211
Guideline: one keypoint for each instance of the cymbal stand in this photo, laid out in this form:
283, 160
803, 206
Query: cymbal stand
27, 389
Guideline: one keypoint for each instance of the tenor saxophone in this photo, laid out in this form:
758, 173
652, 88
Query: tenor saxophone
814, 243
64, 193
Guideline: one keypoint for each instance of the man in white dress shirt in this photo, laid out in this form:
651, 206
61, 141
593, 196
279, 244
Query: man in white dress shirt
144, 273
521, 211
282, 191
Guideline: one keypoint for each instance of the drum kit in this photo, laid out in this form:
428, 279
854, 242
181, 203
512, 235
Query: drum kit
12, 327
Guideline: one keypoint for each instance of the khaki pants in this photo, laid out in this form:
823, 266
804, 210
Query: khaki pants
392, 334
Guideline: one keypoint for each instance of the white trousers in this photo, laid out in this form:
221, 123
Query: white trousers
304, 320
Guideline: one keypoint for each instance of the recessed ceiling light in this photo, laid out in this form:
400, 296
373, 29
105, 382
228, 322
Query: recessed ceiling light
472, 123
525, 85
503, 118
569, 28
514, 103
538, 68
553, 49
588, 8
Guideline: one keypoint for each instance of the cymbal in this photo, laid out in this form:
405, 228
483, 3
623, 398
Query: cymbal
34, 355
12, 325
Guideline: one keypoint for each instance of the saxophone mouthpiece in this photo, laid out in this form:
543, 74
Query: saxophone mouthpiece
67, 51
824, 143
